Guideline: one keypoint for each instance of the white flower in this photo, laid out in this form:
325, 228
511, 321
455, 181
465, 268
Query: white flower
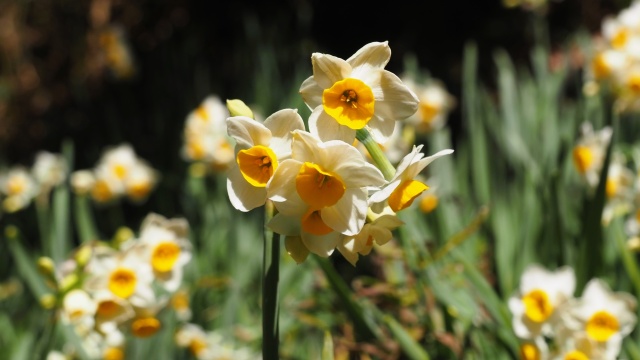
126, 274
205, 135
378, 231
403, 188
434, 107
605, 316
82, 181
347, 95
325, 186
78, 309
589, 152
534, 306
19, 187
259, 150
49, 169
163, 243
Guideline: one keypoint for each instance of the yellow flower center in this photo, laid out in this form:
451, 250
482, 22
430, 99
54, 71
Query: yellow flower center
164, 256
582, 158
403, 196
601, 68
202, 114
195, 149
120, 171
113, 353
139, 189
601, 326
620, 38
122, 282
16, 185
537, 306
428, 203
576, 355
634, 82
611, 187
529, 351
197, 346
313, 224
145, 327
180, 300
101, 191
318, 188
108, 308
428, 112
350, 102
257, 165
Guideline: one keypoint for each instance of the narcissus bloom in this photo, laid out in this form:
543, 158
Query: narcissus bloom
605, 316
434, 107
377, 231
164, 244
205, 135
403, 188
19, 187
325, 186
589, 152
259, 150
540, 294
347, 95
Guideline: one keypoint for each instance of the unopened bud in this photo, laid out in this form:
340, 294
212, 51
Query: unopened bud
239, 108
46, 266
83, 255
48, 301
122, 234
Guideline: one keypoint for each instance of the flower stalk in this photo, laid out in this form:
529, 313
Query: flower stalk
376, 153
270, 279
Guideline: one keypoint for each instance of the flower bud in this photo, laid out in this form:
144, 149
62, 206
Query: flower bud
239, 108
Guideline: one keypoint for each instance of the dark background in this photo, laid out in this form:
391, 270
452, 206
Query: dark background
185, 50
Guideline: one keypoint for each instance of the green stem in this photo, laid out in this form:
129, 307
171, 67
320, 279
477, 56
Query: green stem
270, 279
376, 153
84, 221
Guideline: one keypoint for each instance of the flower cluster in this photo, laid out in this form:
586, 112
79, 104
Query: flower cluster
622, 188
326, 193
118, 173
616, 62
106, 291
19, 185
590, 327
205, 135
434, 107
210, 345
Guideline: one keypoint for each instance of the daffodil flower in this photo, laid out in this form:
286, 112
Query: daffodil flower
378, 231
259, 150
325, 185
20, 188
403, 188
347, 95
541, 292
589, 152
605, 316
164, 244
301, 240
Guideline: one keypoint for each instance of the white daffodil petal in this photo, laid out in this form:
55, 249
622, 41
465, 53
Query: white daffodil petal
281, 124
381, 128
311, 93
371, 56
304, 146
323, 126
328, 69
411, 173
280, 191
322, 245
248, 132
285, 225
244, 196
380, 234
347, 216
382, 195
389, 221
397, 101
346, 249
